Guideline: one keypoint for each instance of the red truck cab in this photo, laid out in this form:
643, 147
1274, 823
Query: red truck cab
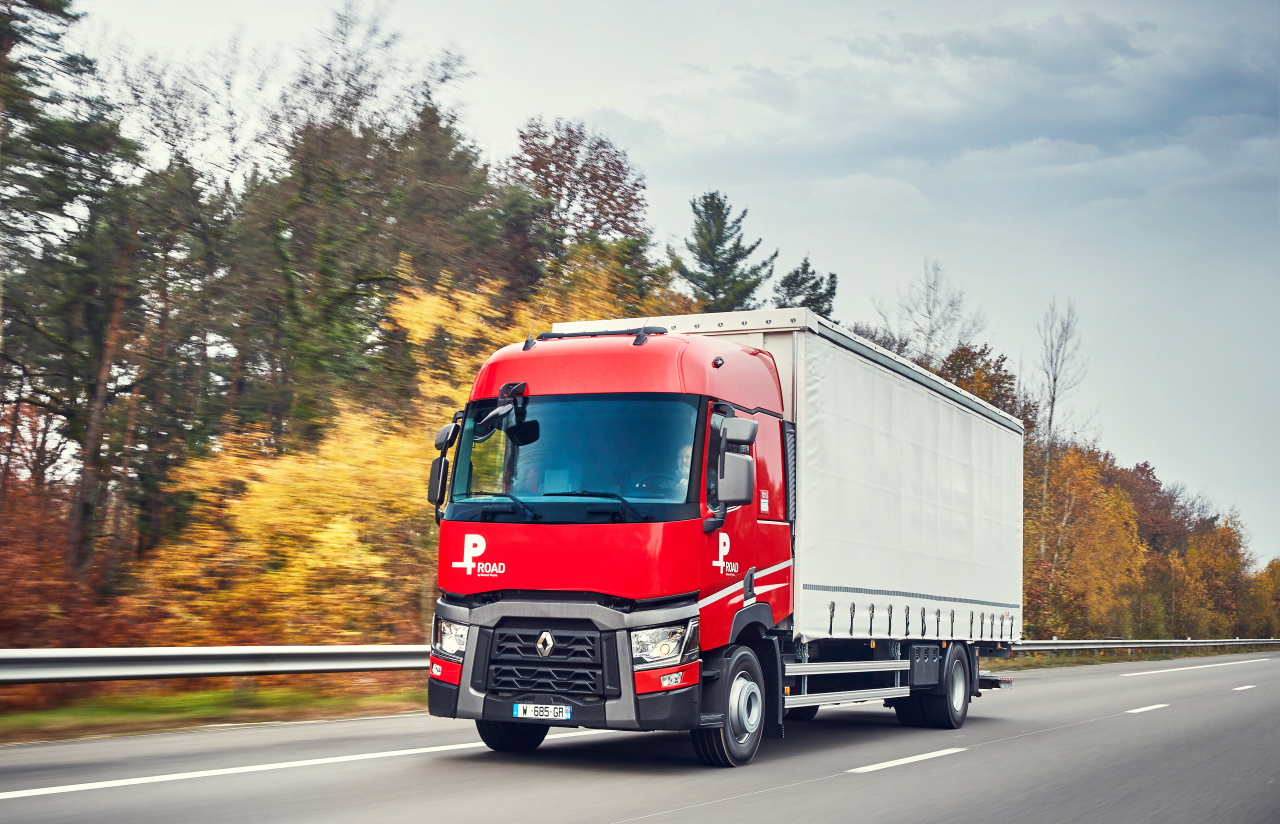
590, 573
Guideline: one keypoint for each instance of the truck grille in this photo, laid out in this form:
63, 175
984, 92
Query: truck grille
575, 663
576, 646
545, 678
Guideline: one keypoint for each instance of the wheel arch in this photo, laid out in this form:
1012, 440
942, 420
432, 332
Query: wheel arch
751, 623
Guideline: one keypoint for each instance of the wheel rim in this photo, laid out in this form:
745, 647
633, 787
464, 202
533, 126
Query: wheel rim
958, 687
746, 706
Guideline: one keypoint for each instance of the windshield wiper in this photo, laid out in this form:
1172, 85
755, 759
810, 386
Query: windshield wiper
639, 516
533, 516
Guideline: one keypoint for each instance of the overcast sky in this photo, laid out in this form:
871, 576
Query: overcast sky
1124, 155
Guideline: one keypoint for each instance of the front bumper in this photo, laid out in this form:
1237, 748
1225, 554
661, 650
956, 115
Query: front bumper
669, 710
492, 681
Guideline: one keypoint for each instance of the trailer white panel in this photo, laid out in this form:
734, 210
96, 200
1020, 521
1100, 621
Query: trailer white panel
908, 502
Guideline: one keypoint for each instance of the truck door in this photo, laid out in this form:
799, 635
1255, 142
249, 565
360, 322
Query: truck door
728, 553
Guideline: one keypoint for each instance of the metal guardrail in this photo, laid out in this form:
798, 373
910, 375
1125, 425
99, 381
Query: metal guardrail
1131, 643
36, 666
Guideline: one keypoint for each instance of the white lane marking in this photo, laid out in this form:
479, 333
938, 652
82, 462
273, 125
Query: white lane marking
1198, 666
283, 765
1144, 709
1237, 689
886, 764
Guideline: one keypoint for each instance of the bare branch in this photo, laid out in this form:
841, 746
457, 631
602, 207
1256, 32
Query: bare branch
927, 320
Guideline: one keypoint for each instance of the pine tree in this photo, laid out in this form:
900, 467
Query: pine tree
805, 288
31, 32
723, 280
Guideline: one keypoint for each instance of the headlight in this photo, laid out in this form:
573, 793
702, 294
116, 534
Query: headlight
664, 646
449, 639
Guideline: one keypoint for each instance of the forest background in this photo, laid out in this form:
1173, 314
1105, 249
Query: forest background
238, 302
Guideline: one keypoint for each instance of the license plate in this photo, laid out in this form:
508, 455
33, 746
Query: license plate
542, 712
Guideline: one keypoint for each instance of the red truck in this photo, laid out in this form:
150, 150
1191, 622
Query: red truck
714, 523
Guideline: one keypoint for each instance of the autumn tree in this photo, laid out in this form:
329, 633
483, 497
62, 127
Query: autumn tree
589, 182
1260, 606
1061, 369
1084, 583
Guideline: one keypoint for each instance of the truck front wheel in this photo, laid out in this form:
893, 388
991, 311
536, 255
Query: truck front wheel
735, 743
948, 710
511, 736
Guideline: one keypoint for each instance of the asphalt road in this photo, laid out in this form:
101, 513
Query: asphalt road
1065, 745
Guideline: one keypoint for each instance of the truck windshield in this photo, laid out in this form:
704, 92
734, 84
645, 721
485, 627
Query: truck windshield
578, 458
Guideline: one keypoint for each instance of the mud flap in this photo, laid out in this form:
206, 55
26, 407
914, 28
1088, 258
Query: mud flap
770, 655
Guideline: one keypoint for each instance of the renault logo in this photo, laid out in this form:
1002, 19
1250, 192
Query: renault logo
545, 643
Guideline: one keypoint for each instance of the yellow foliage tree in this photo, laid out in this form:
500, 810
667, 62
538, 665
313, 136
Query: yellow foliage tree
1094, 558
1219, 561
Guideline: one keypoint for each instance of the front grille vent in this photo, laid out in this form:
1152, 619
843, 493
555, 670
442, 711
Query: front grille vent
571, 646
545, 678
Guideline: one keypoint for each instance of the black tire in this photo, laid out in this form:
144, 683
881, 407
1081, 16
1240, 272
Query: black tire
802, 713
948, 710
910, 711
511, 736
736, 743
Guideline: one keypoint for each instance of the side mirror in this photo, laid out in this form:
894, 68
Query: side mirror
439, 479
738, 483
736, 432
447, 435
739, 431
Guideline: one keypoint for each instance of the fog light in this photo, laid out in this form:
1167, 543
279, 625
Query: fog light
673, 679
436, 670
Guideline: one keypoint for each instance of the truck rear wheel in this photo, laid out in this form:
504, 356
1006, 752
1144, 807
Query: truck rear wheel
511, 736
949, 710
735, 744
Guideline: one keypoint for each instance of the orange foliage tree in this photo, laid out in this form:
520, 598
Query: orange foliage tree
1082, 584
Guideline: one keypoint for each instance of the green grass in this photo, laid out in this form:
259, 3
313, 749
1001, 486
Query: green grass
147, 712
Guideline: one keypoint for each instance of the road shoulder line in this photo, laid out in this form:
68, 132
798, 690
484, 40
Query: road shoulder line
883, 765
1197, 666
282, 765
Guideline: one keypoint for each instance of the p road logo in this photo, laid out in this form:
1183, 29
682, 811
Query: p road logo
726, 566
473, 547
